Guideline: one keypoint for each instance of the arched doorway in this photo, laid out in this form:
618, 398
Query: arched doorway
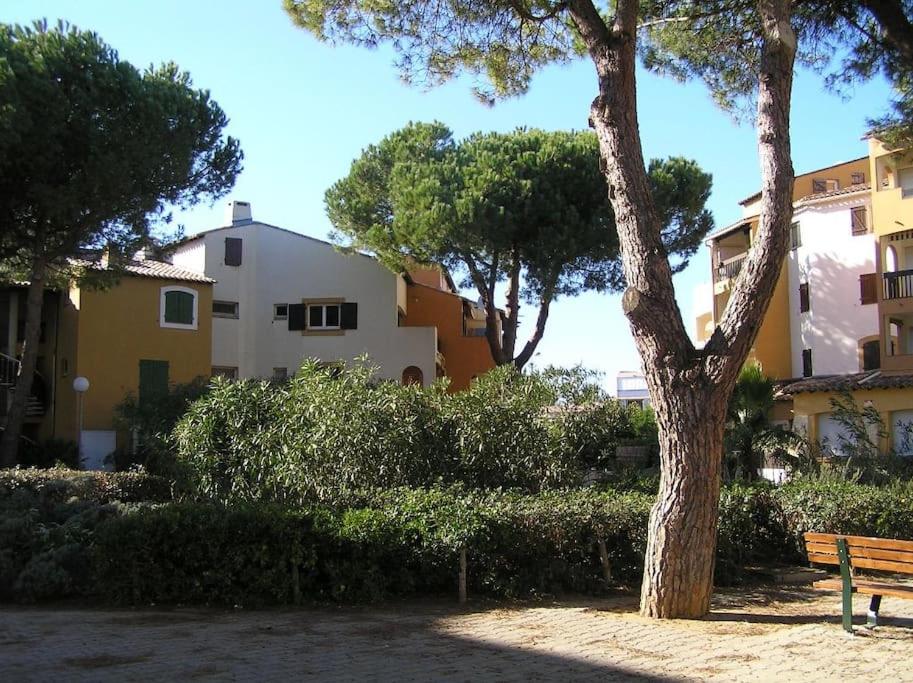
413, 375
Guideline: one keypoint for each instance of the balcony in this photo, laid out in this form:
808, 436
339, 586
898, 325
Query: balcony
898, 284
730, 268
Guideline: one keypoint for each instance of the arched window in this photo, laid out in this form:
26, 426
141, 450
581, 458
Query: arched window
890, 259
413, 375
178, 308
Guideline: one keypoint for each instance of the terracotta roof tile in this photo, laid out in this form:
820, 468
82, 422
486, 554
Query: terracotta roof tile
873, 379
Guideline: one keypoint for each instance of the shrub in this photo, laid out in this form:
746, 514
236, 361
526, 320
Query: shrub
50, 453
326, 434
151, 424
58, 485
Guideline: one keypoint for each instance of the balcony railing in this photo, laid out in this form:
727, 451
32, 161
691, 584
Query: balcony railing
898, 285
730, 268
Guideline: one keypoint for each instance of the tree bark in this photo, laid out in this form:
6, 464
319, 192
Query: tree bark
545, 302
690, 389
9, 443
512, 308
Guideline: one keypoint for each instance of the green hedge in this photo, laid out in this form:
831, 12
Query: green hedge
58, 485
400, 542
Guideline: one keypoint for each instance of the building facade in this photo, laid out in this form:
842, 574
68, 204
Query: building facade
151, 328
841, 320
823, 316
281, 297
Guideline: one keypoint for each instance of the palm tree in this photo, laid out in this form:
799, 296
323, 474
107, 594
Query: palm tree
750, 436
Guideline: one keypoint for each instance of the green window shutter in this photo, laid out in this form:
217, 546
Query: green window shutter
179, 308
153, 380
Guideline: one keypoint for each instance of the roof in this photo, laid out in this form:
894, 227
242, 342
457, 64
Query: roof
873, 379
751, 198
196, 236
153, 269
849, 189
802, 201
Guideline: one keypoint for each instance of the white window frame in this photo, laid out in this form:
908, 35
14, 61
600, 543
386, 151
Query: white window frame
337, 326
277, 315
196, 302
231, 316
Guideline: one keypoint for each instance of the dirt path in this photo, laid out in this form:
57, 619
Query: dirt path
767, 634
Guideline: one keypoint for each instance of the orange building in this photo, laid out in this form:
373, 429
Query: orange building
463, 351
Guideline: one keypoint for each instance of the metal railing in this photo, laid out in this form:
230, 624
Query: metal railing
898, 285
730, 268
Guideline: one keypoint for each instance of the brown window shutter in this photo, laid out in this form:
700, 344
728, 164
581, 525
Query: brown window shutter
860, 223
868, 288
296, 317
233, 251
804, 303
806, 362
348, 319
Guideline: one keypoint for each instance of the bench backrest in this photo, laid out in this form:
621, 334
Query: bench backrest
882, 554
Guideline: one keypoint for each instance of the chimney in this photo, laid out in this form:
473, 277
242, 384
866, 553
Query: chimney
238, 213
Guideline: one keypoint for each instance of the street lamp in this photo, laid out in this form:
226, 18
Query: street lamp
80, 386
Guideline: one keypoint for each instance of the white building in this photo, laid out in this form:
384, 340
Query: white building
823, 317
631, 387
281, 297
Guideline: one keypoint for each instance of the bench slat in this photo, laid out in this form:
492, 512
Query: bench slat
878, 554
861, 541
821, 549
867, 588
881, 565
817, 558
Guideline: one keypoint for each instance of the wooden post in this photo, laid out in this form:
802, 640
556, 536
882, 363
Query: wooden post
296, 585
462, 575
604, 559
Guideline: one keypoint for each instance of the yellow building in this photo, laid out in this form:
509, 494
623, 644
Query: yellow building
811, 299
857, 336
150, 329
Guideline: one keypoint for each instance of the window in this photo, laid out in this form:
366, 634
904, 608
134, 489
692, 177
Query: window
858, 178
178, 308
860, 221
804, 303
806, 362
224, 371
871, 355
153, 380
233, 251
903, 432
413, 375
820, 185
225, 309
323, 316
868, 288
795, 236
905, 178
280, 374
280, 311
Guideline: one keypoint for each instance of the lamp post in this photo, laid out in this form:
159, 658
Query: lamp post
80, 386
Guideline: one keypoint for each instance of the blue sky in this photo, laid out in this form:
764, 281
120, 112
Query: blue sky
303, 110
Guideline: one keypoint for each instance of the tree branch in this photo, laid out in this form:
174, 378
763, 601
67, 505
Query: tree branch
754, 288
545, 301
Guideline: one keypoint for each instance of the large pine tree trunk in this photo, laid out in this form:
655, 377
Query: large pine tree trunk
9, 443
689, 387
681, 546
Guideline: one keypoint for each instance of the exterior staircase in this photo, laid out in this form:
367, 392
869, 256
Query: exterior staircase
9, 375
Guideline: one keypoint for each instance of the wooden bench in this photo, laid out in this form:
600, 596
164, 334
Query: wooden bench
861, 552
